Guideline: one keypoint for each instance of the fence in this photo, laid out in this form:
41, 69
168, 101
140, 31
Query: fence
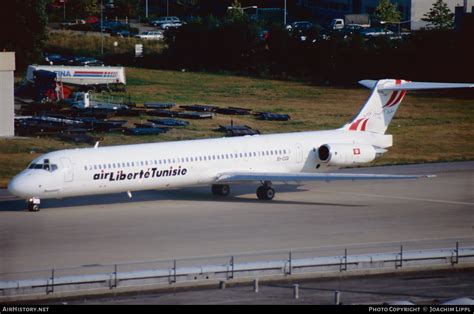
243, 267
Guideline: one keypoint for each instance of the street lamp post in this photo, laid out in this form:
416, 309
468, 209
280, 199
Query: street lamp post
284, 15
146, 9
101, 28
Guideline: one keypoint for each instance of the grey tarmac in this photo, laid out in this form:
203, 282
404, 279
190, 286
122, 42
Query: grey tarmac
183, 223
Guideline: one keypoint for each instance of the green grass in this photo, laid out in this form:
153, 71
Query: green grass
89, 43
425, 129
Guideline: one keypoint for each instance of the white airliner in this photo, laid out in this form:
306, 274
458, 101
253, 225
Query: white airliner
287, 157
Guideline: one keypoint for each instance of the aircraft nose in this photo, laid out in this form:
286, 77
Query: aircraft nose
19, 187
14, 186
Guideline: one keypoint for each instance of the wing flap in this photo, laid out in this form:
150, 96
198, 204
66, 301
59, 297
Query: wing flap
299, 177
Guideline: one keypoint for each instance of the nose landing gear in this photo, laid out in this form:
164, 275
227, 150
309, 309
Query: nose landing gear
33, 204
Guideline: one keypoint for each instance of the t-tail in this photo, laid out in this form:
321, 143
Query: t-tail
377, 113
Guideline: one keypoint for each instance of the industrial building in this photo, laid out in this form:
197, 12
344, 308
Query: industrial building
412, 10
7, 67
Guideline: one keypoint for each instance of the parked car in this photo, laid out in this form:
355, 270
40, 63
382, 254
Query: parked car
375, 32
151, 35
92, 19
299, 26
110, 26
70, 23
351, 29
172, 25
120, 33
54, 59
84, 61
166, 22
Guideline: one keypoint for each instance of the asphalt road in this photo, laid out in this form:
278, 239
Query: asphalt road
323, 217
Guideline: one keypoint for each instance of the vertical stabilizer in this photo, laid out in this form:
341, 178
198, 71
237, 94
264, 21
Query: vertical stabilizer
379, 109
377, 113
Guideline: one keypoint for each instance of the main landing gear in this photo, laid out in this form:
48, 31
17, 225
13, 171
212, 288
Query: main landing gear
220, 189
33, 204
264, 192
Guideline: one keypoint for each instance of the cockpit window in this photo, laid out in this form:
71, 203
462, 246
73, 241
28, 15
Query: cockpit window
46, 165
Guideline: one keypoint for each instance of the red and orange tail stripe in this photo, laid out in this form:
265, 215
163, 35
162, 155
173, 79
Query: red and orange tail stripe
355, 125
396, 97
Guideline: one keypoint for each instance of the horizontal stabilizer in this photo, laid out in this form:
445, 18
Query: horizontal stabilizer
407, 85
286, 177
422, 85
370, 84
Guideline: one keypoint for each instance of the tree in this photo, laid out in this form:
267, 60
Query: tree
235, 11
79, 9
186, 7
126, 8
91, 7
26, 35
439, 16
387, 11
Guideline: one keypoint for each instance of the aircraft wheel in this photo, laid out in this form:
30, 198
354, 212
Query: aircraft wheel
265, 193
220, 189
33, 205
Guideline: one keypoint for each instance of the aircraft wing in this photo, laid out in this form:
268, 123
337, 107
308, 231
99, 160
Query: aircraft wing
229, 177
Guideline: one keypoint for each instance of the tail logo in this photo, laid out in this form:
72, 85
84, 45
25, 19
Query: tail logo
395, 99
396, 96
359, 122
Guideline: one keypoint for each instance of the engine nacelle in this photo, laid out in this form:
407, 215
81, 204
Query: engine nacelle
346, 154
